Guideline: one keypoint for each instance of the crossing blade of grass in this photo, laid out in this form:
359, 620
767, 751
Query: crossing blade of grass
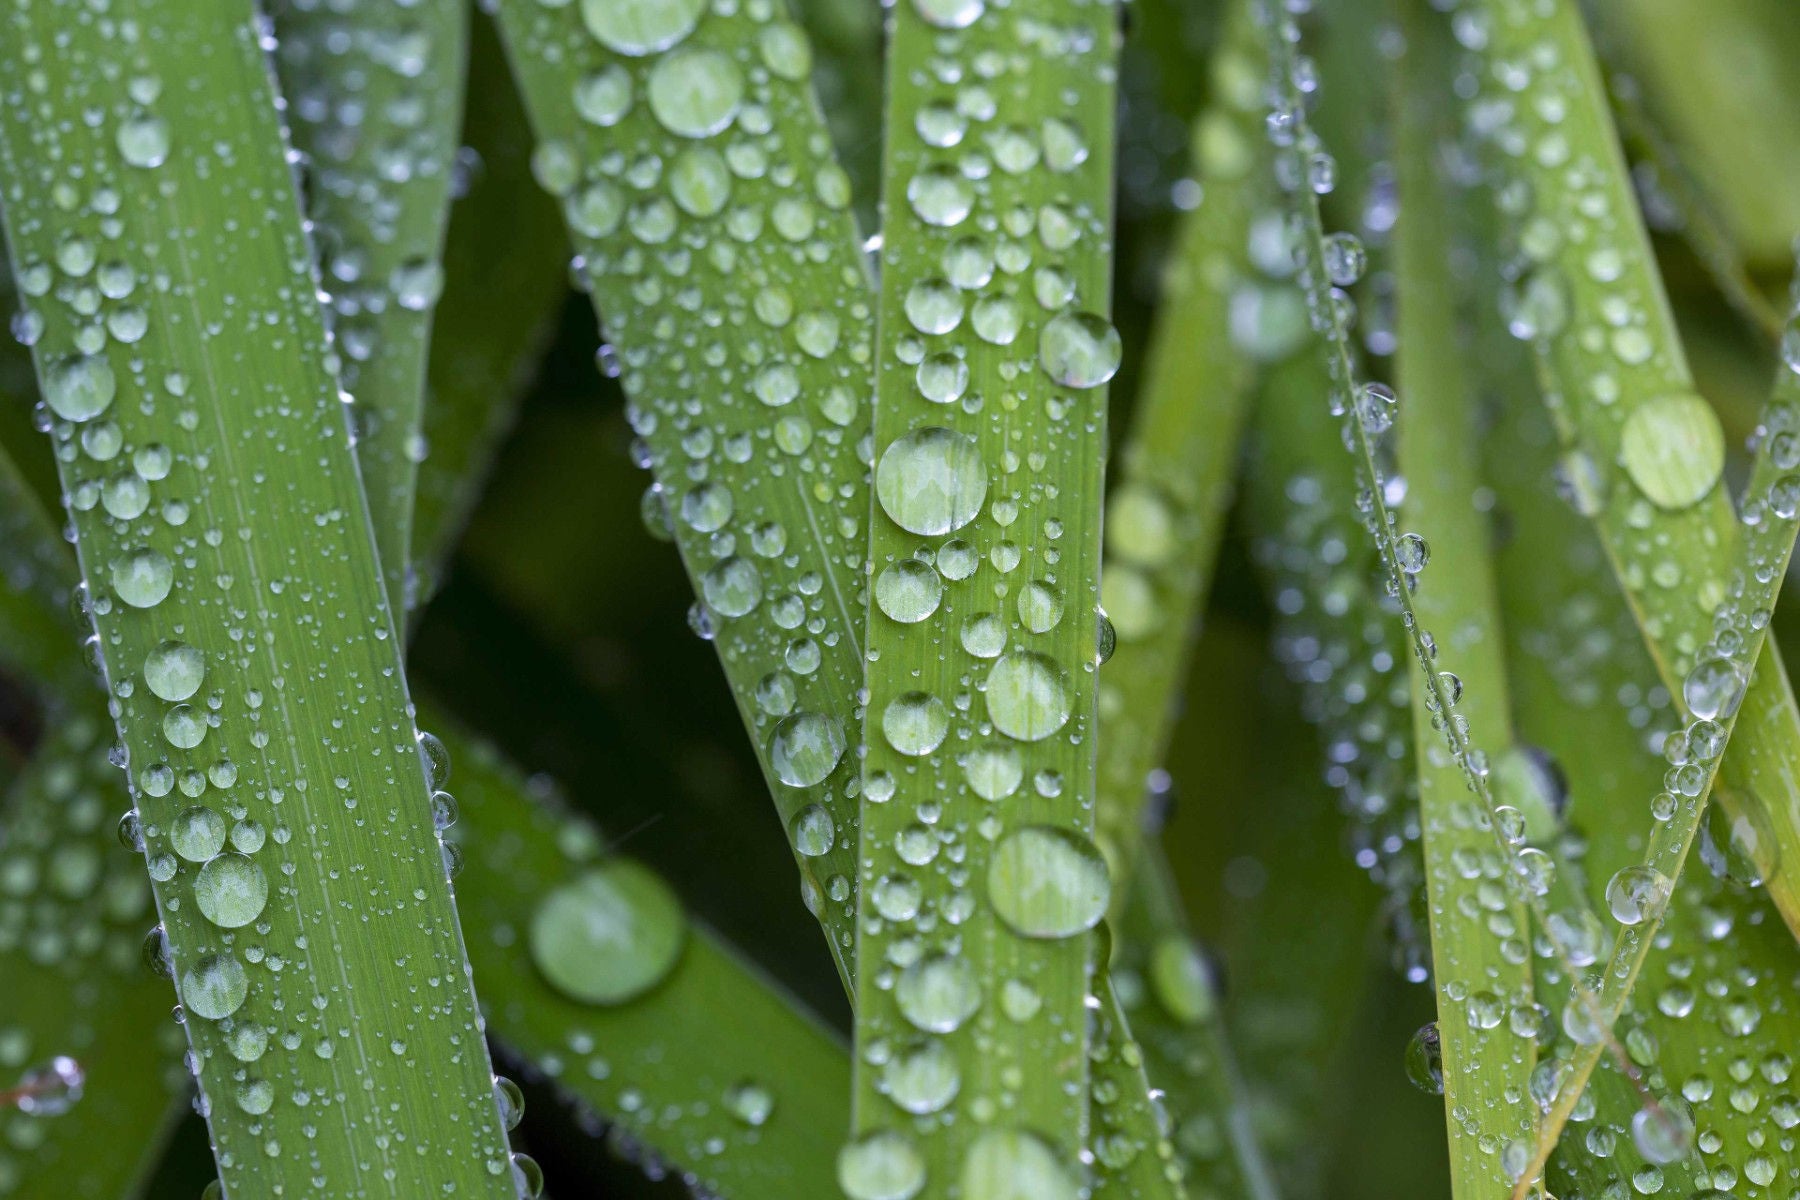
980, 879
1167, 508
506, 279
154, 233
1585, 690
1647, 451
1479, 929
698, 183
374, 95
627, 1029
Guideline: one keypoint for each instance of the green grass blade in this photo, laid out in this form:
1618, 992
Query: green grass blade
639, 1060
1166, 514
1584, 690
374, 97
505, 281
1647, 452
197, 399
1479, 928
751, 406
979, 876
748, 1109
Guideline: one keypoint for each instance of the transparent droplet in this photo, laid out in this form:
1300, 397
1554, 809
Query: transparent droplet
1045, 882
609, 935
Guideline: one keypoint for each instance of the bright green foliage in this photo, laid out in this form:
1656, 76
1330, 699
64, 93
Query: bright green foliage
1479, 928
234, 589
979, 876
727, 195
1643, 453
374, 95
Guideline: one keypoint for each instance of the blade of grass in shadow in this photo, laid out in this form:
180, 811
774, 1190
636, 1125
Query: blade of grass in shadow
979, 878
1646, 452
1479, 928
506, 279
374, 98
626, 1027
191, 398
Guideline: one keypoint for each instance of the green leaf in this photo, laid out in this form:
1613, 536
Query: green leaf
1479, 927
234, 587
979, 876
375, 93
1644, 452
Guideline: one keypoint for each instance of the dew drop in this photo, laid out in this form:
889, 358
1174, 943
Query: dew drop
80, 389
231, 891
805, 748
938, 993
884, 1165
215, 987
1027, 697
695, 93
908, 591
931, 481
143, 577
639, 27
174, 671
1079, 350
1046, 882
915, 723
610, 935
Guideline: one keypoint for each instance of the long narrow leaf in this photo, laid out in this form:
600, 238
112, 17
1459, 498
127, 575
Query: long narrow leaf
280, 796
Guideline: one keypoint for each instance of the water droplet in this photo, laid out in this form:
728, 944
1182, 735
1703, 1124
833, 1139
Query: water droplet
695, 93
884, 1165
604, 98
931, 481
231, 891
923, 1078
940, 196
1673, 449
143, 141
639, 27
994, 771
938, 993
805, 748
52, 1089
510, 1100
1046, 882
80, 389
1637, 894
197, 834
1027, 697
1181, 980
1079, 350
908, 591
1425, 1060
174, 671
143, 578
1010, 1164
812, 831
750, 1102
1662, 1133
915, 723
610, 935
215, 987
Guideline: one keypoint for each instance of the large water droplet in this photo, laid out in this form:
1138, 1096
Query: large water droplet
931, 481
938, 993
174, 671
1010, 1164
1046, 882
638, 27
80, 389
1673, 449
143, 578
610, 935
215, 987
884, 1165
695, 93
908, 591
923, 1078
805, 748
1027, 697
231, 891
915, 723
1080, 350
